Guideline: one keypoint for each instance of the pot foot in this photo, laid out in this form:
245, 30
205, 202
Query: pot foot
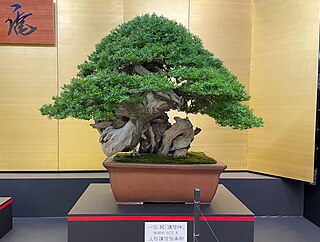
202, 203
129, 203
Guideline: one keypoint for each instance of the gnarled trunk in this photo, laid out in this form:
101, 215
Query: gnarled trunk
146, 125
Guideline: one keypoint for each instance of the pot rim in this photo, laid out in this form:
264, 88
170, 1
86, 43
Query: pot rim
110, 163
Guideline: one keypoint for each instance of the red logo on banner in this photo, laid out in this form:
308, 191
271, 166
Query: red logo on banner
26, 22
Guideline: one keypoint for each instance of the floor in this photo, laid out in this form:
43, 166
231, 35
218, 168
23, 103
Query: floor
37, 230
267, 229
285, 229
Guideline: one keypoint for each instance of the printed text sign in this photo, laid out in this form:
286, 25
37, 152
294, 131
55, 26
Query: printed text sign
165, 231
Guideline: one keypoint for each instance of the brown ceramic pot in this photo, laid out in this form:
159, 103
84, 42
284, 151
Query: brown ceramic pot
138, 183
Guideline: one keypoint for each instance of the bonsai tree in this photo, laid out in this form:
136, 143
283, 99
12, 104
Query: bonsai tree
137, 73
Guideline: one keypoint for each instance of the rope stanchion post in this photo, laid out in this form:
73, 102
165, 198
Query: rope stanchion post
196, 215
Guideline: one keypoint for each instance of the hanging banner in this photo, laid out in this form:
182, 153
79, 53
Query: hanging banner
27, 22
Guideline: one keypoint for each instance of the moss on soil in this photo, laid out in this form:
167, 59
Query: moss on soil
147, 158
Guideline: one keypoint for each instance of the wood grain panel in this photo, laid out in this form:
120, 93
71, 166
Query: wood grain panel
38, 26
176, 10
225, 28
283, 87
28, 141
82, 24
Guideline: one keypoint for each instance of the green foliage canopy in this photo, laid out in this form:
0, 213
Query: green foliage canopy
107, 79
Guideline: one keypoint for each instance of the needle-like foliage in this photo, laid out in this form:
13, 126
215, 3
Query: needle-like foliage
171, 59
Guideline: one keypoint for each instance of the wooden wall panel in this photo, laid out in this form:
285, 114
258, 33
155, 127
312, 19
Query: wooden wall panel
82, 24
28, 141
177, 10
283, 87
225, 28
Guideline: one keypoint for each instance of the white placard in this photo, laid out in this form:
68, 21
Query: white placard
165, 231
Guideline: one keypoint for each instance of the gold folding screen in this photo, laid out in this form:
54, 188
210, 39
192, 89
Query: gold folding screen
283, 87
30, 75
225, 28
177, 10
81, 25
28, 78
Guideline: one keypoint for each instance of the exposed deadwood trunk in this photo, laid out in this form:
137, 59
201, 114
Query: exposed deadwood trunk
147, 140
171, 97
159, 127
134, 124
147, 124
116, 140
182, 127
151, 138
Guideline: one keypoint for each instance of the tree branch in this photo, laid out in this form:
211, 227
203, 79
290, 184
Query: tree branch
141, 70
100, 126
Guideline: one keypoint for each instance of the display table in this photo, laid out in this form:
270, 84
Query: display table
96, 217
5, 215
